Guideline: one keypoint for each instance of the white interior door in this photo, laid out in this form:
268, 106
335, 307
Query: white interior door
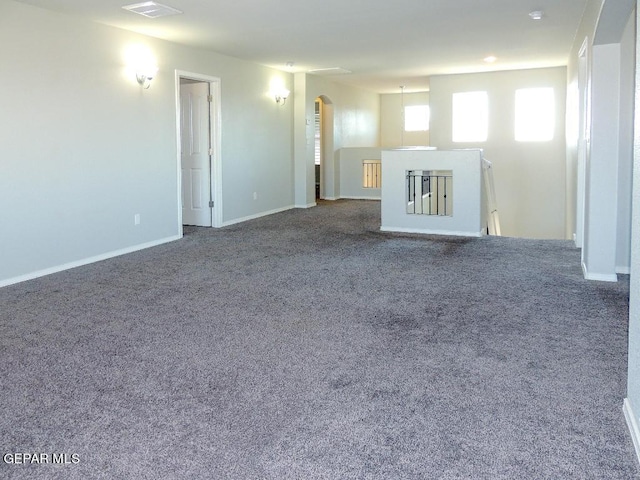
195, 154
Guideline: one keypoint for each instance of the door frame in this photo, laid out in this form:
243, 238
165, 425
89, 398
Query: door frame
320, 103
215, 136
583, 141
329, 181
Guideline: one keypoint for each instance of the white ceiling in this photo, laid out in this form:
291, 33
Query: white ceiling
383, 43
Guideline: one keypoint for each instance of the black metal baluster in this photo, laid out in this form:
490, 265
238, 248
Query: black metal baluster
437, 198
429, 191
445, 195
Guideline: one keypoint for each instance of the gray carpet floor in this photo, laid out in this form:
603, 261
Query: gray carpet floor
310, 345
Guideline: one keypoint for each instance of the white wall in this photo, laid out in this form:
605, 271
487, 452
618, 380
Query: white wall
608, 29
356, 123
632, 401
392, 132
469, 209
607, 222
84, 147
600, 219
529, 177
351, 172
586, 31
625, 160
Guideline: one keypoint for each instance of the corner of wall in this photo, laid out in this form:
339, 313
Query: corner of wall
632, 423
600, 277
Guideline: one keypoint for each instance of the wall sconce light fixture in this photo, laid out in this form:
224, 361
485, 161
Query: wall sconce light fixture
145, 76
281, 96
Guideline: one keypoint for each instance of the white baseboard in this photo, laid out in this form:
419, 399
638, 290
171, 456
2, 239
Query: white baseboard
600, 277
624, 270
454, 233
256, 215
633, 426
360, 198
86, 261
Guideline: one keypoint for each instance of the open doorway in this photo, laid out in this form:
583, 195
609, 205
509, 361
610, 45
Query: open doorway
326, 175
318, 148
199, 169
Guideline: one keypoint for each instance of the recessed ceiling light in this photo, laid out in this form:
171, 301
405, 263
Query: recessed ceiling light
490, 59
152, 9
536, 15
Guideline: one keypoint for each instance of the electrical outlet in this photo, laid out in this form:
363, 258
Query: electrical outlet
255, 195
136, 219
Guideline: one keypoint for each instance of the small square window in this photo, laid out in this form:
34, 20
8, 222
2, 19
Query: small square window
535, 115
470, 117
416, 118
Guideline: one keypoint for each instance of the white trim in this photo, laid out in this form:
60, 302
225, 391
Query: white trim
86, 261
215, 128
348, 197
584, 126
257, 215
600, 277
433, 232
179, 153
308, 205
633, 426
330, 198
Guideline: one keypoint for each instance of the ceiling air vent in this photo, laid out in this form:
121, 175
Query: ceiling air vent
152, 9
